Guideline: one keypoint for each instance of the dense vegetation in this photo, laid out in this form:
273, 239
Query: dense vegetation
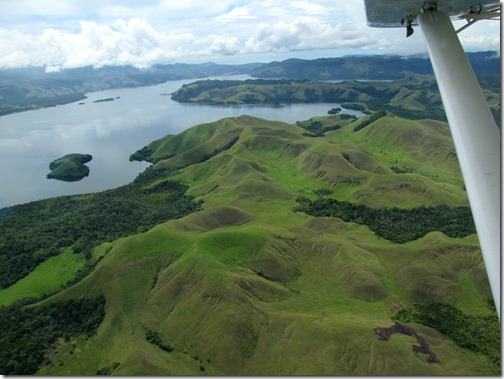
474, 332
367, 67
395, 224
28, 332
370, 120
70, 168
31, 233
154, 338
316, 128
107, 370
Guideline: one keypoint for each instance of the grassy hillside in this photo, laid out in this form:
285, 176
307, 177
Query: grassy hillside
247, 286
412, 96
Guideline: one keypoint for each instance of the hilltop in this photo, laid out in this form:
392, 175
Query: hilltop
413, 96
247, 285
70, 168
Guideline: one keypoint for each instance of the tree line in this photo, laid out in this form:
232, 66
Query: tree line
480, 333
395, 224
28, 332
30, 233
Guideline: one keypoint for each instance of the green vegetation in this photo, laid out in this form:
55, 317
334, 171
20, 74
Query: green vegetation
239, 284
370, 120
395, 224
412, 96
153, 337
47, 278
28, 333
476, 333
107, 370
316, 128
70, 168
28, 103
83, 222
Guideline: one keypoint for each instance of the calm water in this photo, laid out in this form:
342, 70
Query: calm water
110, 132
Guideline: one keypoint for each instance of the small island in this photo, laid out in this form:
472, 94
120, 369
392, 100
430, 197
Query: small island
70, 168
104, 100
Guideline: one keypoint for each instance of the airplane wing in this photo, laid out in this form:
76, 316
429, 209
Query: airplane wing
389, 13
475, 134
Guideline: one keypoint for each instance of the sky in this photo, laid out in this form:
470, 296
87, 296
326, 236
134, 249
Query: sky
75, 33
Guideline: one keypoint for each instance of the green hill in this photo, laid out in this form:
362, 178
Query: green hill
248, 286
413, 96
70, 168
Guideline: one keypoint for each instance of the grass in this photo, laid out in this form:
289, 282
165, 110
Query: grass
469, 299
47, 278
248, 287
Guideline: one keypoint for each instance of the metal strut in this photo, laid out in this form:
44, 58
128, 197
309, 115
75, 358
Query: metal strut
480, 14
475, 135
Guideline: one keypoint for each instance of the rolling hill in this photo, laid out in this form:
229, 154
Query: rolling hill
248, 286
412, 96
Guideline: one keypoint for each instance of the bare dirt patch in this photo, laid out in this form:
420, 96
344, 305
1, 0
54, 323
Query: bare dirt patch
384, 334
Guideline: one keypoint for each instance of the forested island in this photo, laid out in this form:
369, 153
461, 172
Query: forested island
104, 100
70, 168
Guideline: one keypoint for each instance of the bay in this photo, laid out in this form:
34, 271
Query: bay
110, 131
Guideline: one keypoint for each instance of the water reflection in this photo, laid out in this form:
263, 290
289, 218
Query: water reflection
110, 132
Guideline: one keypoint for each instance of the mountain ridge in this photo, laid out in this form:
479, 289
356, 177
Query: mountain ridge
247, 286
372, 67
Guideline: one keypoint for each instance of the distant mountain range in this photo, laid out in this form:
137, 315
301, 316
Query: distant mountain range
371, 67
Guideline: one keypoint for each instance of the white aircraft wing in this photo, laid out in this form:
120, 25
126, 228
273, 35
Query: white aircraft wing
474, 131
389, 13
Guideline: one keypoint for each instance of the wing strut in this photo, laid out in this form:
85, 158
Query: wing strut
474, 132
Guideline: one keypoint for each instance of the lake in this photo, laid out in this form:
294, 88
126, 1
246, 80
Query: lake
110, 131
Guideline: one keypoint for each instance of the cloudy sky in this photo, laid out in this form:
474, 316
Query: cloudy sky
75, 33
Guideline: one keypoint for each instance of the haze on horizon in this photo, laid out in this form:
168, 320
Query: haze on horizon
72, 33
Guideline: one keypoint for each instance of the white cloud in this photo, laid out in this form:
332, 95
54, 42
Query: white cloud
237, 13
219, 45
304, 33
133, 42
308, 7
70, 33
